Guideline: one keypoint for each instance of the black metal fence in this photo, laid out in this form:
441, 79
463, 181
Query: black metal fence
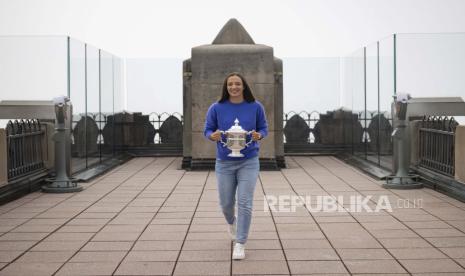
437, 144
305, 122
366, 134
25, 147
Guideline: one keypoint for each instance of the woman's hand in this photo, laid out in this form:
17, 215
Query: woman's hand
216, 136
256, 136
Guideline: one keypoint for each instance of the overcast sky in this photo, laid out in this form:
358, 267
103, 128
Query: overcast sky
295, 28
154, 36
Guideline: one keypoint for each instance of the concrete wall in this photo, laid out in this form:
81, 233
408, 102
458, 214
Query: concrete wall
460, 153
3, 158
209, 66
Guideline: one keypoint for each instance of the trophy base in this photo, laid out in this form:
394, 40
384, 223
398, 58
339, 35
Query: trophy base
233, 154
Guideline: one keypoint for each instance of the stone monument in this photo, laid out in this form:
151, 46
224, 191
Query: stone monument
233, 50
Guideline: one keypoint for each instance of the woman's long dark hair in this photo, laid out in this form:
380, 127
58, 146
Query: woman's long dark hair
248, 96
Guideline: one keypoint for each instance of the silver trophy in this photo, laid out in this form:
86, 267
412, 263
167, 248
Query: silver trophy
235, 139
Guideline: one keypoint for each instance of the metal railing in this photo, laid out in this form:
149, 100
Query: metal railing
311, 119
156, 119
437, 144
24, 147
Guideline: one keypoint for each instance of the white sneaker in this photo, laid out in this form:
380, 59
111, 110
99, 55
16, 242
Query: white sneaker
232, 228
239, 251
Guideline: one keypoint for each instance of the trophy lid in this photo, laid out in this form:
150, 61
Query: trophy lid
236, 128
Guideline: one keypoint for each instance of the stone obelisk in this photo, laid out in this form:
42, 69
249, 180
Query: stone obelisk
233, 50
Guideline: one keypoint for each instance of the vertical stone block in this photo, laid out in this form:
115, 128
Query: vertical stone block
460, 153
233, 50
3, 158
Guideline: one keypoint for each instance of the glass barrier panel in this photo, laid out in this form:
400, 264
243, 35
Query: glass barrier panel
357, 76
372, 118
77, 93
386, 91
33, 67
431, 65
93, 105
107, 89
119, 96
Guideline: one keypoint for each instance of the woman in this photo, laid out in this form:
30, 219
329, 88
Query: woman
236, 173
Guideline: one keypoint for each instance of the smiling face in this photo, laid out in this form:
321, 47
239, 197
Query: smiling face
235, 88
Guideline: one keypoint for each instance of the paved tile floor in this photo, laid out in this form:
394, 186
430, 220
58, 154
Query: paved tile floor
147, 217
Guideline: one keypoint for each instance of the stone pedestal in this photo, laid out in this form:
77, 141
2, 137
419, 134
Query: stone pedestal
85, 135
233, 50
338, 127
128, 130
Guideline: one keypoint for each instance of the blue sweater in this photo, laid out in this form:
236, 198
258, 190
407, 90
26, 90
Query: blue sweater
251, 116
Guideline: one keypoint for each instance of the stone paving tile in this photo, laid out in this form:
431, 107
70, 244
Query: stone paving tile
58, 237
45, 257
364, 254
263, 235
58, 246
432, 233
355, 242
335, 219
94, 215
145, 268
431, 266
122, 229
374, 266
174, 221
311, 254
202, 268
107, 246
98, 256
259, 267
316, 267
417, 253
393, 233
157, 245
30, 269
405, 243
296, 244
205, 255
168, 236
454, 252
183, 229
300, 235
153, 256
116, 236
8, 256
436, 224
15, 245
80, 229
263, 244
448, 241
210, 245
25, 228
95, 268
437, 274
23, 236
265, 255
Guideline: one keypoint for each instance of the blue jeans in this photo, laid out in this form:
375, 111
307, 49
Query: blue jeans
241, 176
